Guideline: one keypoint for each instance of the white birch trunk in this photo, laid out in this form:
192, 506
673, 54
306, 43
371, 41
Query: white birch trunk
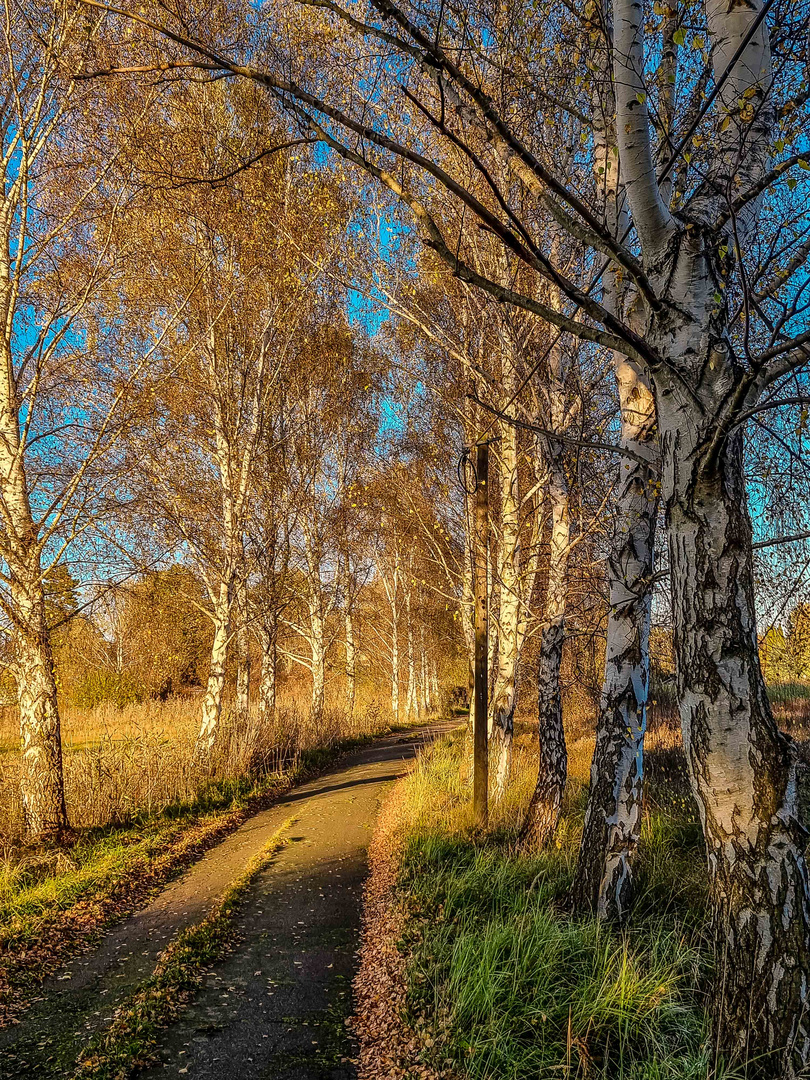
504, 695
544, 809
42, 783
742, 768
243, 661
317, 647
603, 880
424, 692
391, 586
434, 684
267, 682
411, 707
394, 668
543, 812
212, 701
351, 664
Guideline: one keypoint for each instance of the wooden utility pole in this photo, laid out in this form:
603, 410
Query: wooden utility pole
481, 697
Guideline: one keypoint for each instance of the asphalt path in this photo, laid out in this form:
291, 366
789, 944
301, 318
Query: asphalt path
276, 1005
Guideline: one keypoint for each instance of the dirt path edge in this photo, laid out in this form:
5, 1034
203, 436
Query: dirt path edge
389, 1047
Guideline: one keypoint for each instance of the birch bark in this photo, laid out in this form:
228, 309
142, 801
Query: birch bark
394, 669
742, 769
243, 660
212, 701
391, 584
411, 707
603, 879
351, 663
504, 694
42, 783
318, 659
544, 809
236, 445
267, 681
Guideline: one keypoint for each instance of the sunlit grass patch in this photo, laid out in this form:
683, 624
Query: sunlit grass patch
509, 983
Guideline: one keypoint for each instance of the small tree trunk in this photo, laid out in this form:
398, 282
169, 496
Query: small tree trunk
267, 683
544, 809
318, 659
42, 780
351, 664
504, 694
603, 879
434, 684
42, 785
411, 707
424, 693
212, 702
394, 668
243, 657
742, 768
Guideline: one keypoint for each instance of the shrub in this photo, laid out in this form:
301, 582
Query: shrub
108, 688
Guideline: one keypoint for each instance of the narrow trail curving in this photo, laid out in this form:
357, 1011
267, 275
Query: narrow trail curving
275, 1007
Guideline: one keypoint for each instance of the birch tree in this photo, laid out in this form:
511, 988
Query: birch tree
329, 439
712, 355
68, 383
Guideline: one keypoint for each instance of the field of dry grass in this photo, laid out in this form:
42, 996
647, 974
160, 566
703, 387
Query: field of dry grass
139, 759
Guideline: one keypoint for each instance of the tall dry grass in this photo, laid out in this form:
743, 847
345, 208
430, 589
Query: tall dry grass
139, 759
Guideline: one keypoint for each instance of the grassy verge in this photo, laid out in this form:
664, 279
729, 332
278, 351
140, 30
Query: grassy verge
128, 1044
501, 981
55, 903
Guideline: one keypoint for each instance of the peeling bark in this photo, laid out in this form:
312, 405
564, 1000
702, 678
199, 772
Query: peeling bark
212, 701
394, 670
42, 782
504, 694
424, 692
391, 586
317, 652
543, 812
742, 768
267, 682
351, 663
544, 809
243, 663
411, 707
603, 879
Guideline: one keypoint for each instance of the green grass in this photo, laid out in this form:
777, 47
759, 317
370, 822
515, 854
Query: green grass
781, 693
510, 986
55, 879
